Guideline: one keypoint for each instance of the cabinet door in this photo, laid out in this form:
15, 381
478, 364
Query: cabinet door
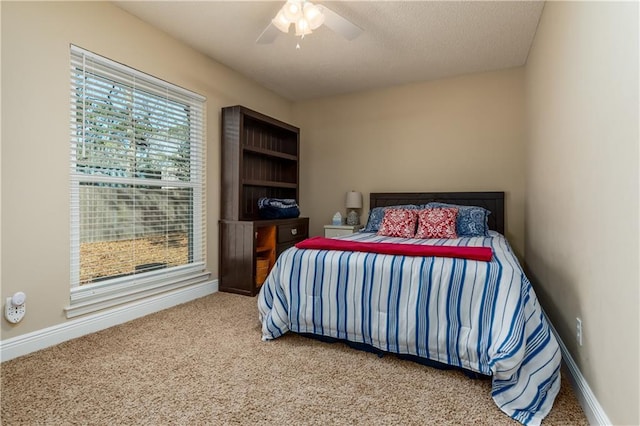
237, 258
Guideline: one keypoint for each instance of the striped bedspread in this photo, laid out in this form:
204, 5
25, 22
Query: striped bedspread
481, 316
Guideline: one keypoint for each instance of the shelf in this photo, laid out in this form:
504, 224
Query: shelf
269, 183
271, 153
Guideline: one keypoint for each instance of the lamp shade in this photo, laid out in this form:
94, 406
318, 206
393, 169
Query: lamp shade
281, 22
302, 27
292, 9
313, 15
353, 200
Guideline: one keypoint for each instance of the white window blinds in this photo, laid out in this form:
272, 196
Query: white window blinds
137, 182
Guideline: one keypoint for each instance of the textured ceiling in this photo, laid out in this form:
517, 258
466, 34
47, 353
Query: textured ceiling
402, 42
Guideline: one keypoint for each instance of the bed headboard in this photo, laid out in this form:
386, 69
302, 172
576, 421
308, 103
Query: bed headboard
492, 201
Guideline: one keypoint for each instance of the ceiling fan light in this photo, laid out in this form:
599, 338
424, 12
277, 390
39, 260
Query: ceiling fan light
281, 22
292, 10
313, 15
302, 27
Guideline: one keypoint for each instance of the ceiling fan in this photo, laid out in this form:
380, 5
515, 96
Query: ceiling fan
306, 17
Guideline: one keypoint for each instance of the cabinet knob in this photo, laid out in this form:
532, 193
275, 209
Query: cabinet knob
294, 231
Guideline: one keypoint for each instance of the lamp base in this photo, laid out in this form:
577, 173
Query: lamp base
353, 218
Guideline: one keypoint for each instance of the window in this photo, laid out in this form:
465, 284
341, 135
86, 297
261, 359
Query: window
137, 184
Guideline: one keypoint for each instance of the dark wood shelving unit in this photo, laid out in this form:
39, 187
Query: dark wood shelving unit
260, 158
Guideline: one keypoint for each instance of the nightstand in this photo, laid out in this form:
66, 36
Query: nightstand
340, 230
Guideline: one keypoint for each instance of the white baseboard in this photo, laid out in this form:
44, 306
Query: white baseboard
40, 339
592, 408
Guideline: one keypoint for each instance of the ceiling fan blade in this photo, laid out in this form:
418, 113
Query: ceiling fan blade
268, 35
338, 24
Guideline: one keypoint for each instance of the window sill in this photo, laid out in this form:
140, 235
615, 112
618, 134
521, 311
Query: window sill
85, 302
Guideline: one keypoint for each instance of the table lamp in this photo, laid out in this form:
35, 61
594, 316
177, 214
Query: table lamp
353, 203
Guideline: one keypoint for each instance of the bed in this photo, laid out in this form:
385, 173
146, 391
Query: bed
478, 315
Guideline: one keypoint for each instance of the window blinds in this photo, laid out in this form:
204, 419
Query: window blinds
137, 178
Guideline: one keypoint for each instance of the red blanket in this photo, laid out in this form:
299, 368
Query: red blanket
463, 252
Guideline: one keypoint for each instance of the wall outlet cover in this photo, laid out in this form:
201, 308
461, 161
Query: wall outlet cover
14, 313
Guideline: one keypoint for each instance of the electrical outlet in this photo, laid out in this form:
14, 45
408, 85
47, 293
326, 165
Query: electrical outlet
15, 308
579, 331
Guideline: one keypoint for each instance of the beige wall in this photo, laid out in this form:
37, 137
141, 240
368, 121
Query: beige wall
35, 134
459, 134
582, 190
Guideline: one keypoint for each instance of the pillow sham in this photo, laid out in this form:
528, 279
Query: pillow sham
377, 214
471, 220
437, 222
399, 223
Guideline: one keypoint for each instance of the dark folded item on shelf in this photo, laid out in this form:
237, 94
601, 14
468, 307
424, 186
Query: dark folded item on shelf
278, 208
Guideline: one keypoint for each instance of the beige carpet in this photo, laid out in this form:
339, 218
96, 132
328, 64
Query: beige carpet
204, 363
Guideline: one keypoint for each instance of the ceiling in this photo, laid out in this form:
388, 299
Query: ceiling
402, 41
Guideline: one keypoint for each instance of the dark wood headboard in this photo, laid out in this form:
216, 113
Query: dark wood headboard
492, 201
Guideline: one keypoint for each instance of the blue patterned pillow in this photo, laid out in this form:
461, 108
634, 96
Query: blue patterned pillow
377, 214
471, 221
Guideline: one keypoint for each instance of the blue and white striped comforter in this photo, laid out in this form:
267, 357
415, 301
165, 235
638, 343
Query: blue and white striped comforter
482, 316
